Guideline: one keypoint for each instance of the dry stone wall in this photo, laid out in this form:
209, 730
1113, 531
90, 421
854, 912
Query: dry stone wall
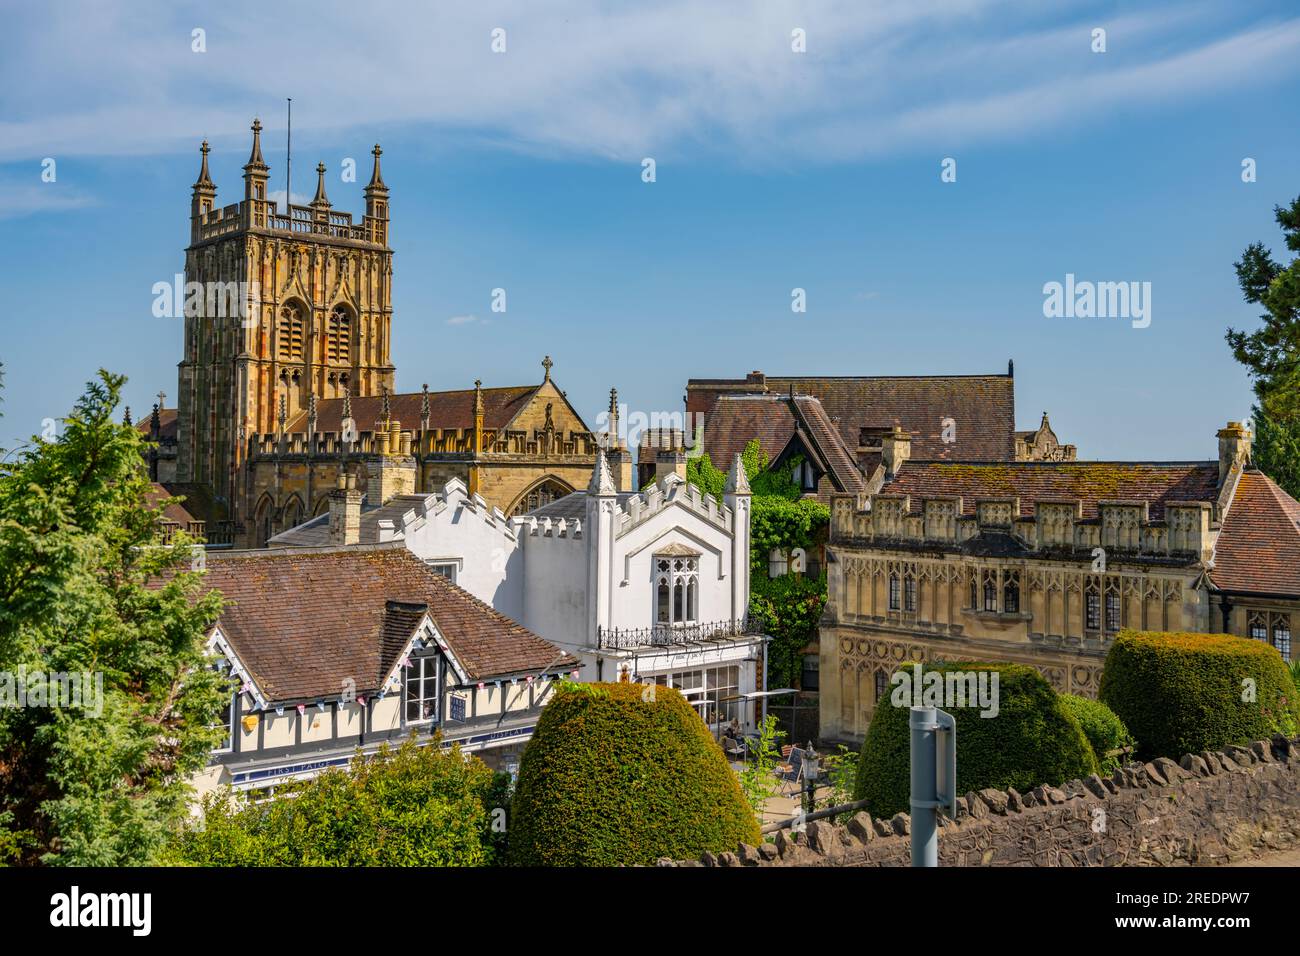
1206, 809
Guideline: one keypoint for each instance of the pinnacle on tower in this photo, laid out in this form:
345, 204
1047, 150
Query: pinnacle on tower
602, 482
376, 177
205, 178
737, 480
321, 201
255, 160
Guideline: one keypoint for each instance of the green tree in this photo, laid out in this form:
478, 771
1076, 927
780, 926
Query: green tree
87, 587
1275, 449
1271, 353
411, 806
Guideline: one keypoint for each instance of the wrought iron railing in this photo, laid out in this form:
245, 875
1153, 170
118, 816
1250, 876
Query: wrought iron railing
669, 635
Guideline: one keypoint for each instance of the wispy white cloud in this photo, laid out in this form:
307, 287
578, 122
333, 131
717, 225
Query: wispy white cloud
36, 198
582, 77
466, 320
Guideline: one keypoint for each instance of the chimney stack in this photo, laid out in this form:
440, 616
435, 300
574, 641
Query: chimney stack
1234, 449
345, 512
670, 461
895, 448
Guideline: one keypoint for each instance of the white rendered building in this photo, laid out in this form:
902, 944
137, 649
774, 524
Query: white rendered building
649, 586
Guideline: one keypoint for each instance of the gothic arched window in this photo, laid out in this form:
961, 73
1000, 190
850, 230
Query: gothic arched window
676, 582
289, 333
542, 494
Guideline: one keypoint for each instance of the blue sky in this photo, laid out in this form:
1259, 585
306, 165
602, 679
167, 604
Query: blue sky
775, 170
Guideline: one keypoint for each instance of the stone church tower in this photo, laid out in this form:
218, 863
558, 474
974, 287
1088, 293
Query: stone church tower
279, 307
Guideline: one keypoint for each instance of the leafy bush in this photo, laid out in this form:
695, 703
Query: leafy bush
413, 806
624, 774
1184, 693
1105, 731
1032, 740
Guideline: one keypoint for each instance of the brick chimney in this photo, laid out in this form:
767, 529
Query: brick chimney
1234, 448
345, 512
895, 448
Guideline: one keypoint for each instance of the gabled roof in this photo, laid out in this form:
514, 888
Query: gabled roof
303, 621
1258, 549
775, 421
167, 424
1090, 482
982, 408
173, 511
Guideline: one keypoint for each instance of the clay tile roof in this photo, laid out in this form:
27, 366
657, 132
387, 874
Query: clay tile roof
173, 511
1259, 546
982, 408
167, 424
1091, 482
774, 421
447, 410
303, 621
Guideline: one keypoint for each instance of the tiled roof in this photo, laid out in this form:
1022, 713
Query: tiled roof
167, 424
1030, 481
982, 408
173, 511
303, 621
1259, 546
315, 532
572, 505
774, 420
446, 409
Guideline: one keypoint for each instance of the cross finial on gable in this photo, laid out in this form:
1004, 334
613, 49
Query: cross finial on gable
162, 400
546, 365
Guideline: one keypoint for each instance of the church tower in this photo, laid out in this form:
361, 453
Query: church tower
280, 308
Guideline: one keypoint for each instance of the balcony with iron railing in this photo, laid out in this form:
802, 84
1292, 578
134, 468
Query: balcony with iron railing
680, 635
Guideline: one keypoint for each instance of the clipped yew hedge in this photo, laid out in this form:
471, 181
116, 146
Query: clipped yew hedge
1104, 730
1033, 740
1183, 693
614, 776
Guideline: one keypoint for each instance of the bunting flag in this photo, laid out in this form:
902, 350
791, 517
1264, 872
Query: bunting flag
574, 675
302, 709
480, 685
246, 687
406, 661
530, 678
361, 701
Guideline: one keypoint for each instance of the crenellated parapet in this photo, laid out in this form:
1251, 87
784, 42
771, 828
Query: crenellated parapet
671, 491
1057, 527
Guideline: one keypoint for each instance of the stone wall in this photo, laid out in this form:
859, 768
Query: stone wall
1206, 809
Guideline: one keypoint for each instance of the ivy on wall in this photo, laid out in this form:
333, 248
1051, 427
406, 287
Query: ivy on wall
780, 518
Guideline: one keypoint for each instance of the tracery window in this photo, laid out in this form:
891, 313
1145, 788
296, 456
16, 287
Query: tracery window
1113, 608
1092, 608
676, 589
893, 591
990, 591
543, 494
1011, 592
909, 592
